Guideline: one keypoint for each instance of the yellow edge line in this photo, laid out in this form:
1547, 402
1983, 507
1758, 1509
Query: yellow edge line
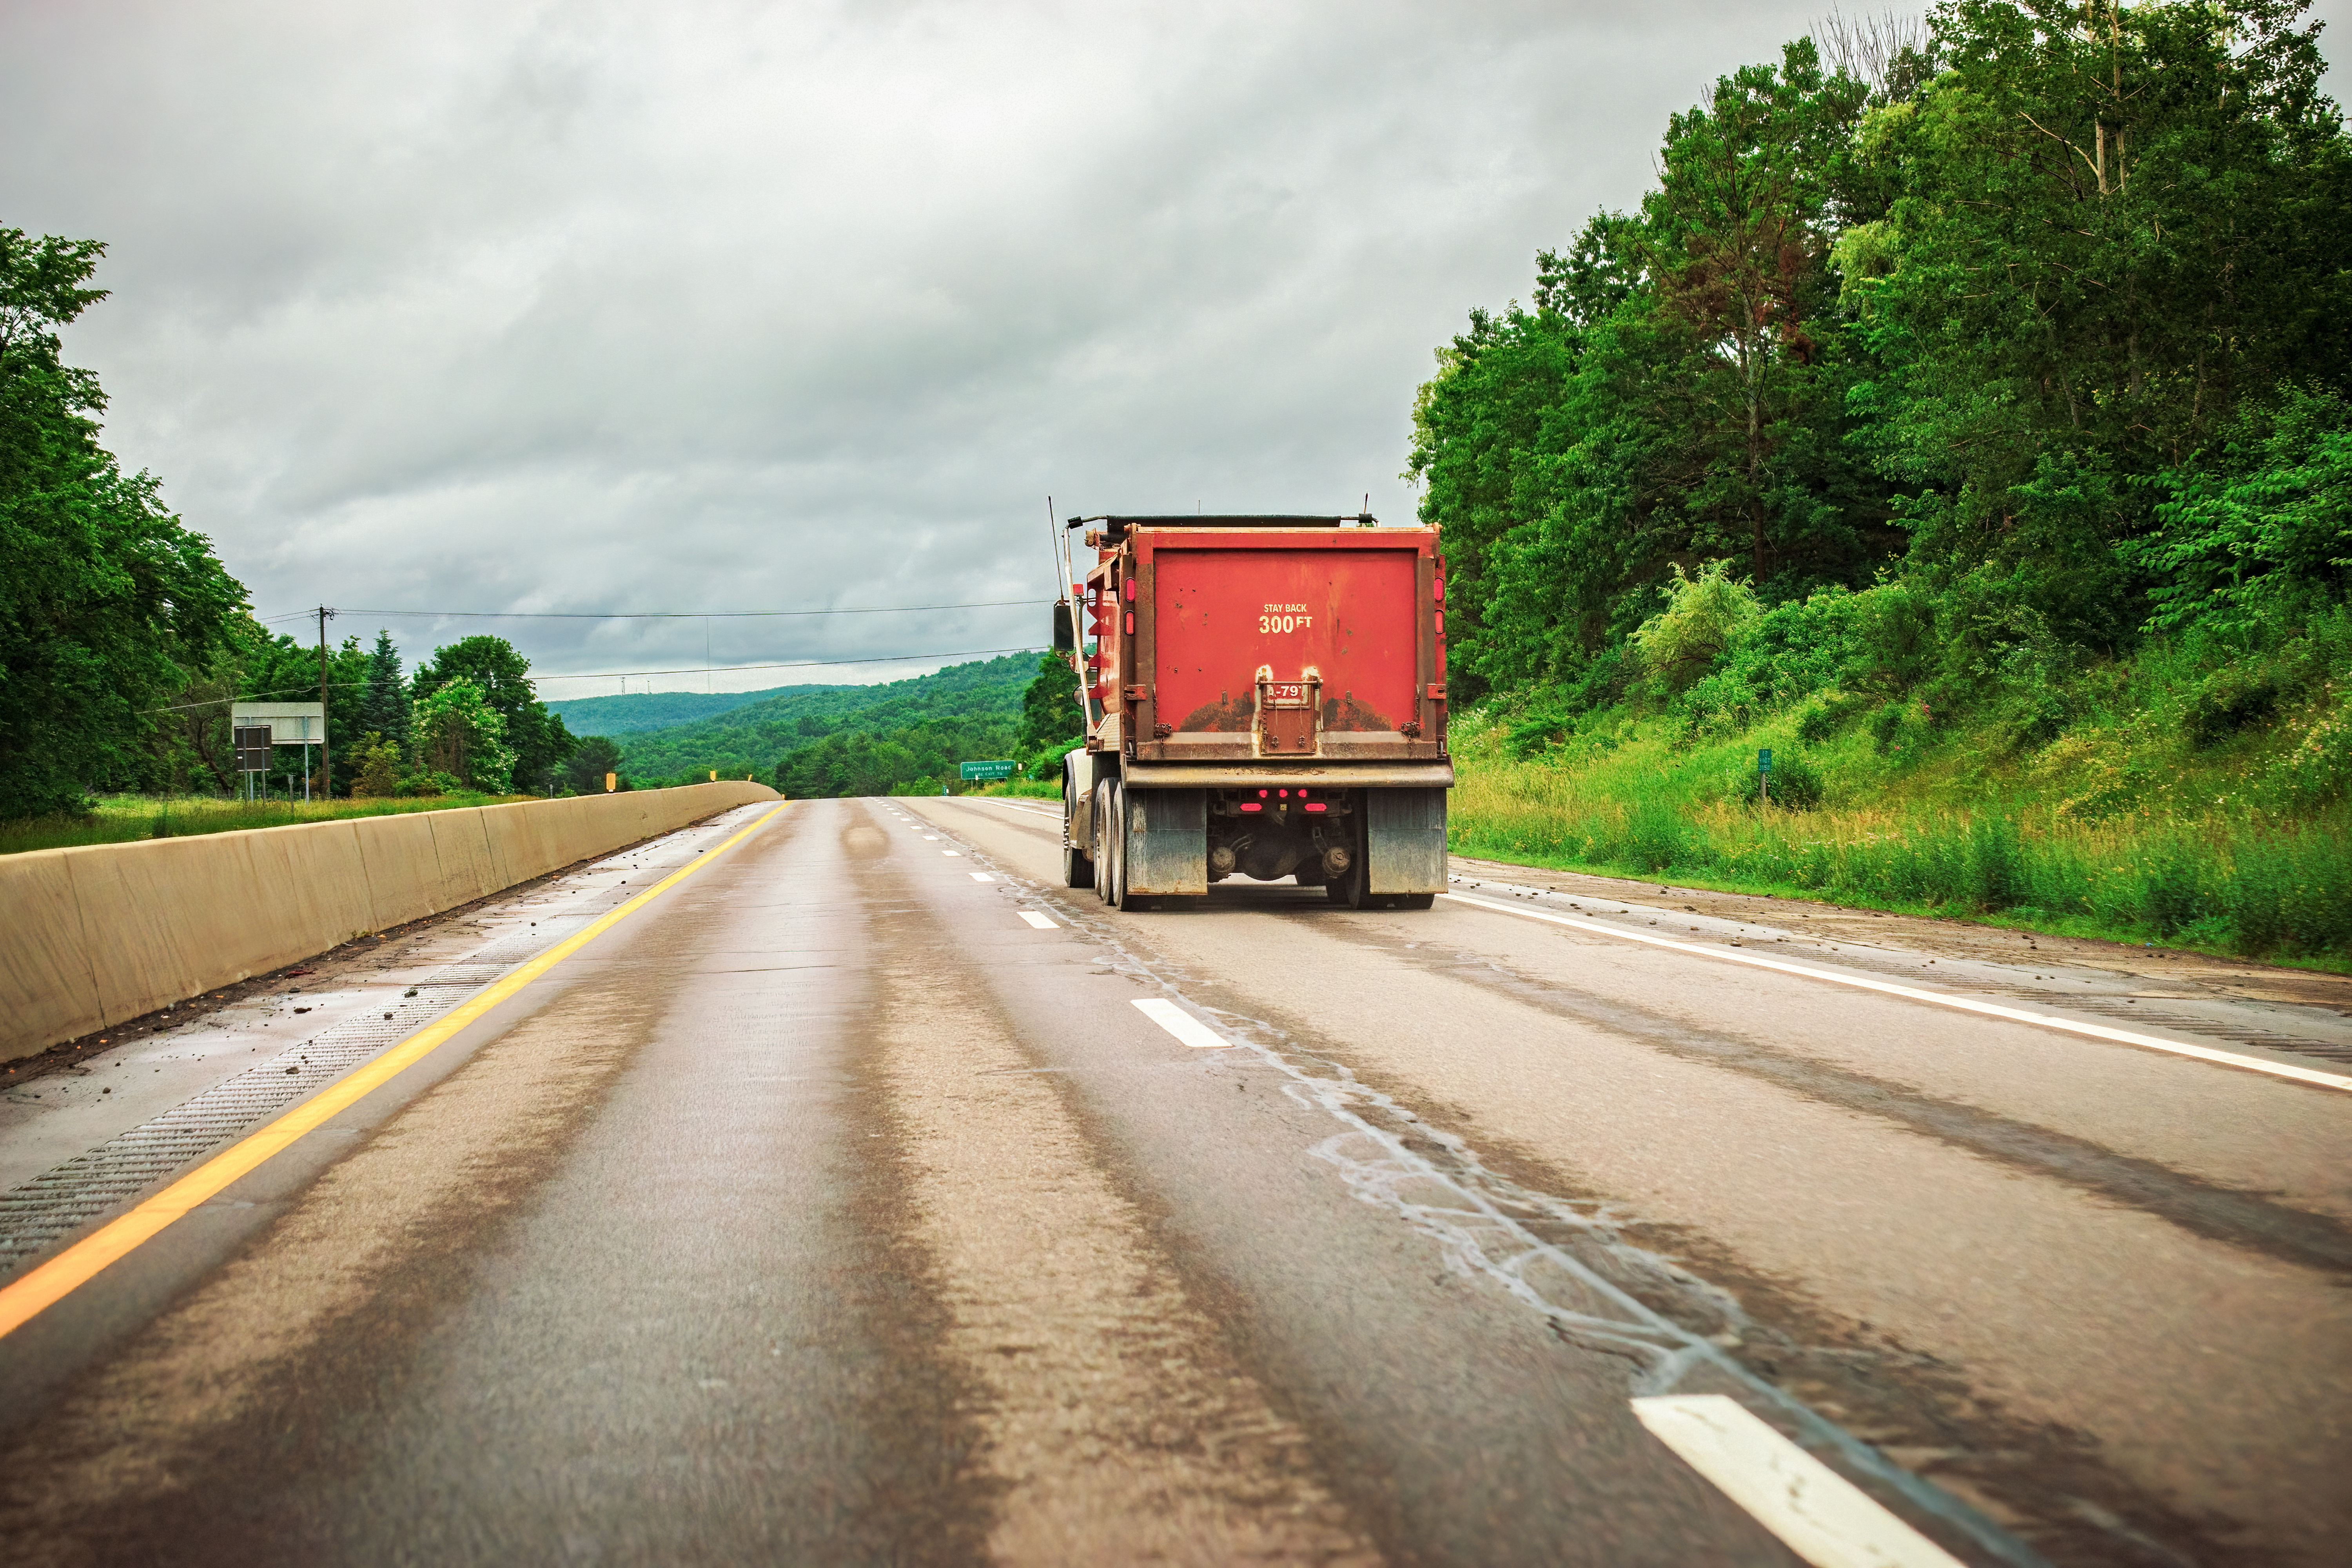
1963, 1004
25, 1299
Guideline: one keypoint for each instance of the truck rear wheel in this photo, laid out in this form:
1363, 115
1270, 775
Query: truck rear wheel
1115, 844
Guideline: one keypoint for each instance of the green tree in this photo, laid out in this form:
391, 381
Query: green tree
502, 674
383, 707
2112, 226
458, 731
376, 772
1988, 324
595, 756
107, 601
2265, 533
1677, 394
1050, 714
1736, 239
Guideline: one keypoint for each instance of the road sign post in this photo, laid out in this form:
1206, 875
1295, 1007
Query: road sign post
279, 724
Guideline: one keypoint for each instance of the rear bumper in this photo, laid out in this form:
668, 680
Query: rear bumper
1291, 775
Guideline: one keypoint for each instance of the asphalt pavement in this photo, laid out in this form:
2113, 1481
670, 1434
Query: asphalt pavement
839, 1203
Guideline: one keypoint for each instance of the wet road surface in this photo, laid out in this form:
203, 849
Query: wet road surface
842, 1206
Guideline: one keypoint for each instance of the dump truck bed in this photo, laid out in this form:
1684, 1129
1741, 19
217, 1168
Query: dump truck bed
1266, 699
1293, 645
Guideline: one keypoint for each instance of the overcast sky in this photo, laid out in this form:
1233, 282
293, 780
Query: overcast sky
700, 307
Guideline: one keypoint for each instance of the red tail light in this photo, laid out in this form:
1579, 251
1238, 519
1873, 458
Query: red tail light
1252, 805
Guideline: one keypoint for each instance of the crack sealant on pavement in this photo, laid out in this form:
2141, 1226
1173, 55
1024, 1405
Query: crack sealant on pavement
1468, 1210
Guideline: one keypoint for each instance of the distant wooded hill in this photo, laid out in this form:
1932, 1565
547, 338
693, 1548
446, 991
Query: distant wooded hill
639, 710
815, 741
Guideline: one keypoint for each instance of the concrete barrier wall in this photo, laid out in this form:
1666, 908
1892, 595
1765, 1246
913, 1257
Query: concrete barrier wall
94, 936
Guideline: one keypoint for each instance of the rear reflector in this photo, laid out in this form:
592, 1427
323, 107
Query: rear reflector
1317, 806
1252, 805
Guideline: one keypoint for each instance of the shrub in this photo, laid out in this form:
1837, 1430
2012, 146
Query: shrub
378, 773
2227, 702
1796, 784
1703, 616
1823, 717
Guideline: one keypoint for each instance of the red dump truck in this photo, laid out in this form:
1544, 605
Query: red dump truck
1265, 696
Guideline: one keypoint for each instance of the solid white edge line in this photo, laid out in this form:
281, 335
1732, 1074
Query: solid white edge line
1817, 1513
1031, 810
981, 877
1038, 920
1962, 1003
1182, 1025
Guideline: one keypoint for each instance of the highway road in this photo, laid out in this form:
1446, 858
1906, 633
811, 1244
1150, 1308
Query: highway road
825, 1185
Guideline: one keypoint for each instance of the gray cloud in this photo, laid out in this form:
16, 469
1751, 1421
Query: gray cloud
591, 307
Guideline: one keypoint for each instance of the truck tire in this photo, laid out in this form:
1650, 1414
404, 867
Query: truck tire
1116, 841
1078, 866
1104, 858
1349, 887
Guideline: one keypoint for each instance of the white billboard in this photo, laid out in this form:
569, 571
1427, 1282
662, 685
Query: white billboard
289, 724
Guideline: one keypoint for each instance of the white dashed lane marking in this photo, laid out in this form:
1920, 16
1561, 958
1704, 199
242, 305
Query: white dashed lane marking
981, 877
1817, 1513
1182, 1025
1040, 921
957, 853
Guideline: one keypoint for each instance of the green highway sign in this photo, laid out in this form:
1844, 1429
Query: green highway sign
1002, 770
1763, 759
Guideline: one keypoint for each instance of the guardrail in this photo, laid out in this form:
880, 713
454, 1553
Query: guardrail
93, 936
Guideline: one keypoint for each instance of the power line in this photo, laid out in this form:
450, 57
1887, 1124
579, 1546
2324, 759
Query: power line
664, 614
789, 664
615, 674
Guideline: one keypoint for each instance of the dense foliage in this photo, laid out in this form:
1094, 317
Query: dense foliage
1052, 722
2045, 324
635, 711
848, 740
108, 604
527, 745
1964, 415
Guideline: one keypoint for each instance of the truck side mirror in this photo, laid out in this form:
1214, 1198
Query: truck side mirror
1065, 637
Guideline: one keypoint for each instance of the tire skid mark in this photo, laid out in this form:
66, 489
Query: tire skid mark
1117, 1426
2256, 1221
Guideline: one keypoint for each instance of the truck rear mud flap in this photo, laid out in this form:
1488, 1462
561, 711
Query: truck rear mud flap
1404, 840
1168, 840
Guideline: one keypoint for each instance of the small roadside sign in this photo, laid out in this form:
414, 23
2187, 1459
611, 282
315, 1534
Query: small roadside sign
992, 770
1764, 760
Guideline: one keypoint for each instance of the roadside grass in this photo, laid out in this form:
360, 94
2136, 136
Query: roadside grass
1023, 789
2094, 836
121, 819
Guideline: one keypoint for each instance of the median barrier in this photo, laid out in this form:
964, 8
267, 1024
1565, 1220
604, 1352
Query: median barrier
92, 936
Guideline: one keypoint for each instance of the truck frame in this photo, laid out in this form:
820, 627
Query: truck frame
1265, 696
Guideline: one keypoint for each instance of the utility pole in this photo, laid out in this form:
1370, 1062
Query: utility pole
326, 777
